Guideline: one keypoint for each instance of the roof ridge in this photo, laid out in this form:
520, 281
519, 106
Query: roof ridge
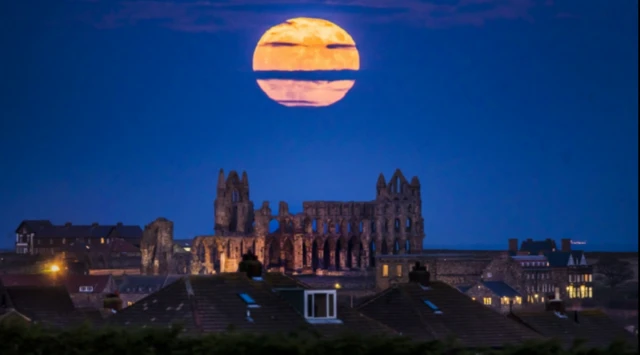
376, 297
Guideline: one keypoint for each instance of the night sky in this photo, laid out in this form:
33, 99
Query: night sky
520, 117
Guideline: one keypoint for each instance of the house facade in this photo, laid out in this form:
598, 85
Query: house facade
41, 237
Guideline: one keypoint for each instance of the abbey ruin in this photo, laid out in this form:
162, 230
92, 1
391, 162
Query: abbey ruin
327, 235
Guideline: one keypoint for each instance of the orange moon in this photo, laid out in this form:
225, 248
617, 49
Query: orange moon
305, 45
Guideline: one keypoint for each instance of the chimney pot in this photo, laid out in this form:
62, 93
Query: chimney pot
420, 275
513, 244
566, 244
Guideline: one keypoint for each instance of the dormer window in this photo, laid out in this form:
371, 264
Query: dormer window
432, 306
251, 303
86, 289
320, 306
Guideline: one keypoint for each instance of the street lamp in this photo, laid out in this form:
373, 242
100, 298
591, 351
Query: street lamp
54, 268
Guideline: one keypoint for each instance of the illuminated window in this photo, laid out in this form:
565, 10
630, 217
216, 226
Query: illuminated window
399, 270
64, 240
101, 240
589, 292
504, 300
487, 301
518, 300
385, 270
129, 303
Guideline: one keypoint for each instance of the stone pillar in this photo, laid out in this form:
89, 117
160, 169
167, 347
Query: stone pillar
364, 257
342, 259
282, 260
321, 257
297, 252
355, 254
208, 262
223, 261
309, 246
332, 256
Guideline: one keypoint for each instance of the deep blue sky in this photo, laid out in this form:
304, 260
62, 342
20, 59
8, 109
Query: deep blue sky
519, 117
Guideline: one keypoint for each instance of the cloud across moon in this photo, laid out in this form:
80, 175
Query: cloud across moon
303, 47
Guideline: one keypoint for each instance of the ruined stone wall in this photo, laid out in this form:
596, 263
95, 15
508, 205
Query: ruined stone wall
156, 248
325, 236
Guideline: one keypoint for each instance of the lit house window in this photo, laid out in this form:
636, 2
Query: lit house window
129, 303
101, 240
504, 301
399, 270
385, 270
86, 289
320, 306
64, 241
487, 301
518, 300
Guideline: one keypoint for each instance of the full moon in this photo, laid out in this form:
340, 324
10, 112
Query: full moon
305, 45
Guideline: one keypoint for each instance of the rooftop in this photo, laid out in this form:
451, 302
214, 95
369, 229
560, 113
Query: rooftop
404, 308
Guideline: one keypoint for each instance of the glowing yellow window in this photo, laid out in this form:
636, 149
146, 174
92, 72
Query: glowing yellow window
504, 300
487, 301
518, 300
399, 270
101, 240
129, 303
385, 270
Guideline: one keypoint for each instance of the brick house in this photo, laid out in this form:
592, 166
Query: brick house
44, 238
565, 269
495, 294
452, 268
89, 291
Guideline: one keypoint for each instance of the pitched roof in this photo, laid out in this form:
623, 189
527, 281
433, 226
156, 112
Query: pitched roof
98, 283
44, 229
34, 225
49, 305
212, 304
28, 280
592, 326
501, 289
142, 284
535, 247
404, 309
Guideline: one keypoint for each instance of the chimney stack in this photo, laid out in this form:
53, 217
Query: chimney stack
513, 245
420, 275
566, 244
119, 224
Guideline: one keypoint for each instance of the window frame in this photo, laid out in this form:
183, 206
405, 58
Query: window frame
331, 297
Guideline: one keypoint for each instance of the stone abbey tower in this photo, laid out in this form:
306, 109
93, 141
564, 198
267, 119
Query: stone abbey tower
329, 235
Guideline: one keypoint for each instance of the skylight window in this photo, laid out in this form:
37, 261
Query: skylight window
433, 307
251, 303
